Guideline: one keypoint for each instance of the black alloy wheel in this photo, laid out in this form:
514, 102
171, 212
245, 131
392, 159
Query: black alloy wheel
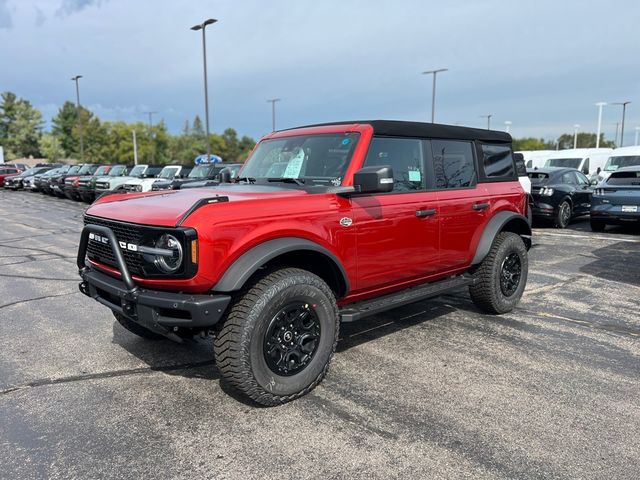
564, 214
291, 339
510, 274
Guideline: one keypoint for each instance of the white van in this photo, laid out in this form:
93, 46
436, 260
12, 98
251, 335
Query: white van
620, 157
587, 160
535, 158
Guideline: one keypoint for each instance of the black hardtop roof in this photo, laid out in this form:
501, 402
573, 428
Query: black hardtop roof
400, 128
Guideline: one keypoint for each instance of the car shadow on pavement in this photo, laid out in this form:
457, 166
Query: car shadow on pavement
619, 262
390, 322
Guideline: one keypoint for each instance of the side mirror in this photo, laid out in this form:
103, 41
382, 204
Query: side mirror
598, 170
378, 179
225, 176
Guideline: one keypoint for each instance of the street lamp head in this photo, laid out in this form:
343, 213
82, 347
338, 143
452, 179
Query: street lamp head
601, 104
196, 27
429, 72
273, 100
77, 77
209, 21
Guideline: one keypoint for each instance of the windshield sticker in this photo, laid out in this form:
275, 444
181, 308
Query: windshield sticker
336, 182
346, 141
295, 165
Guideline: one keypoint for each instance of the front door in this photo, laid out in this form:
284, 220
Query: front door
397, 232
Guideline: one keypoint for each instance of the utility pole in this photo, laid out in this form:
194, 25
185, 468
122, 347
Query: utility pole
575, 135
637, 132
273, 112
599, 105
135, 148
616, 140
195, 28
624, 111
75, 79
433, 91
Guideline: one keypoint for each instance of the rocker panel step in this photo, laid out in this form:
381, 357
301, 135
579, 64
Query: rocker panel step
366, 308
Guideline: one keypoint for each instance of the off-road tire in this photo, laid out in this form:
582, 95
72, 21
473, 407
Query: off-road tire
239, 345
561, 220
137, 329
486, 291
597, 225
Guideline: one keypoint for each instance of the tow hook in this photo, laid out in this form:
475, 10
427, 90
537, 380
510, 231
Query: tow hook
84, 288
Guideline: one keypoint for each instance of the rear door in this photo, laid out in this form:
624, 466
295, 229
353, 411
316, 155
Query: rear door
397, 232
463, 203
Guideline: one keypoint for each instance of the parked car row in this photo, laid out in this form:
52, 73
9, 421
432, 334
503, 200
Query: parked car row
560, 194
86, 182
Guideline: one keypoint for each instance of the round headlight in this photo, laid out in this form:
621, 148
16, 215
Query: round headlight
169, 264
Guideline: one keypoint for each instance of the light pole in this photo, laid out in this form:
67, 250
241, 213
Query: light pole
203, 27
488, 117
507, 126
575, 135
75, 79
599, 105
433, 92
637, 132
616, 140
151, 134
624, 111
273, 112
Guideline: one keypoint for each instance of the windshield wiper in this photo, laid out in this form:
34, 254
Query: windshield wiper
245, 179
297, 181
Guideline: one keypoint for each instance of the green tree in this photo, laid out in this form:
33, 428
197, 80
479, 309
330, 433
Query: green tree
95, 135
196, 127
51, 147
584, 140
63, 125
20, 127
530, 143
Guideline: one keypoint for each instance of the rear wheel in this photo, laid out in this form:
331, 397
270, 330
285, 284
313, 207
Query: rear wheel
597, 225
502, 276
563, 216
278, 338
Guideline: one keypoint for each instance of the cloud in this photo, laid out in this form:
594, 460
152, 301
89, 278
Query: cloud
5, 16
69, 7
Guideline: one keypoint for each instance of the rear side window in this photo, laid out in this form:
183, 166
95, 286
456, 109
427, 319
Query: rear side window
404, 155
497, 161
521, 168
454, 164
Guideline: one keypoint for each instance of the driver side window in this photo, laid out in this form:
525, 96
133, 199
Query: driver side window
405, 156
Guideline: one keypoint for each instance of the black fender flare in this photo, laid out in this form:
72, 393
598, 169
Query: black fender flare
249, 262
517, 223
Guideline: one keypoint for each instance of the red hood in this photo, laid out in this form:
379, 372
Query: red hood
165, 209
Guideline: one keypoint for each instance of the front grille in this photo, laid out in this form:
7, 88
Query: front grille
124, 232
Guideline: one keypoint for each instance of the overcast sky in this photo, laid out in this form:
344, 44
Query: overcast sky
539, 64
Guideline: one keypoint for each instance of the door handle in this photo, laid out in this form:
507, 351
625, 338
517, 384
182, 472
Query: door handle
480, 206
425, 213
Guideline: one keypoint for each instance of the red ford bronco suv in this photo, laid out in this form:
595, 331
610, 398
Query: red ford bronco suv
324, 224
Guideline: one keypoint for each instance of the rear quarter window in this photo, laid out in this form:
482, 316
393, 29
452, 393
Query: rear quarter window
497, 162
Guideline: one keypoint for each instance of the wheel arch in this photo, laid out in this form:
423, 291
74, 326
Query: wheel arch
286, 252
503, 221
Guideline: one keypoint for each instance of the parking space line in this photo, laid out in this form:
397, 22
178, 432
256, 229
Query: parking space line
599, 237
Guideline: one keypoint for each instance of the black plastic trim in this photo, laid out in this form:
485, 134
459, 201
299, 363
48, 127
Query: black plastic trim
200, 203
495, 226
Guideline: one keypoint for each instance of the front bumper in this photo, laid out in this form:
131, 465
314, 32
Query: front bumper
156, 310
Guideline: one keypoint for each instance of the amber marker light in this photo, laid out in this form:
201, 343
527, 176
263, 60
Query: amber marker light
194, 251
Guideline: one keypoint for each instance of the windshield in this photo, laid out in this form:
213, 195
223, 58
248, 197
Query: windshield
201, 171
138, 171
102, 170
538, 177
563, 162
117, 170
315, 159
73, 169
87, 169
624, 178
168, 172
31, 171
615, 163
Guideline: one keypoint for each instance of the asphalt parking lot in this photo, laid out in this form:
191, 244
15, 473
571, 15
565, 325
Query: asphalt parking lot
434, 390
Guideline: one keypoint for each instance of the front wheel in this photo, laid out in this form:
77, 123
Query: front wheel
502, 276
278, 338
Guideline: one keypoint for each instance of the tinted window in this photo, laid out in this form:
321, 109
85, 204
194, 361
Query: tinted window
582, 180
538, 177
497, 161
568, 177
624, 178
521, 168
615, 163
404, 155
563, 162
453, 162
